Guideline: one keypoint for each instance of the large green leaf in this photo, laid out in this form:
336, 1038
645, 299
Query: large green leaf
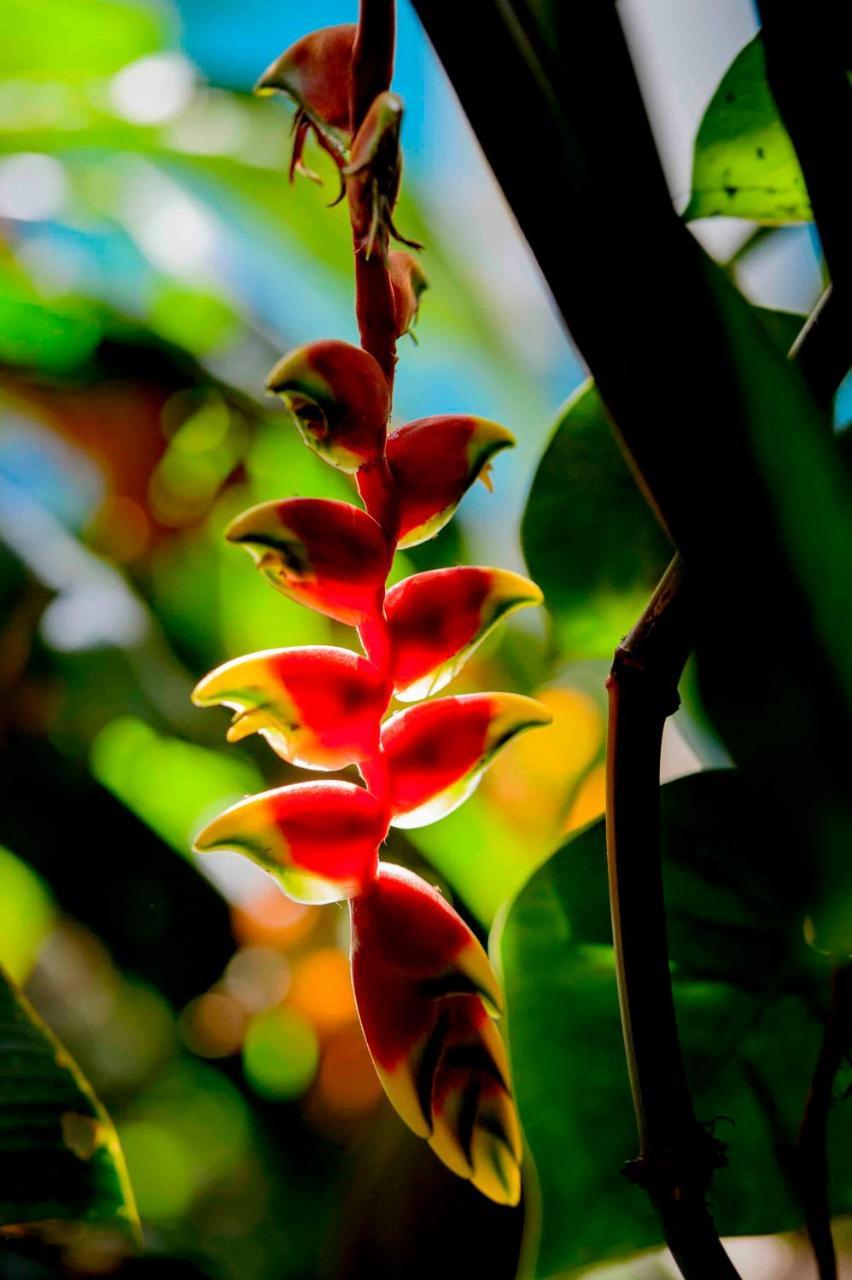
744, 164
749, 996
590, 539
59, 1154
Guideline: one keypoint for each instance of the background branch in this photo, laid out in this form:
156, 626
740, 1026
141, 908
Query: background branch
812, 1147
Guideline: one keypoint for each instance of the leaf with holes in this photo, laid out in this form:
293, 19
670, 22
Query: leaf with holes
744, 165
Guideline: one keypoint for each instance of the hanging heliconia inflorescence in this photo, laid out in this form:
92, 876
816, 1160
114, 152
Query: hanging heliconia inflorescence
426, 993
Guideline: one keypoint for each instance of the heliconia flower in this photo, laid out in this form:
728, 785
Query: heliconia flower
316, 72
375, 166
328, 555
437, 751
424, 989
438, 618
339, 399
434, 462
408, 283
318, 707
319, 840
475, 1126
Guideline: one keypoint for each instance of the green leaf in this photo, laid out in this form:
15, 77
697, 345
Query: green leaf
744, 164
59, 1153
749, 995
78, 38
590, 539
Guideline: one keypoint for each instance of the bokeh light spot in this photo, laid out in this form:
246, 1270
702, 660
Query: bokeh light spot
212, 1026
269, 919
590, 800
33, 187
154, 89
160, 1169
26, 915
257, 978
280, 1054
322, 989
347, 1084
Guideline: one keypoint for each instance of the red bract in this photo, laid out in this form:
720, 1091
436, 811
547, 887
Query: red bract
409, 283
325, 554
437, 752
317, 707
316, 72
434, 461
438, 618
339, 400
424, 986
319, 839
425, 990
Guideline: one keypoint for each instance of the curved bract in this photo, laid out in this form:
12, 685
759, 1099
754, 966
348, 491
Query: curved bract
434, 462
339, 400
425, 990
318, 707
426, 994
319, 839
325, 554
437, 751
438, 618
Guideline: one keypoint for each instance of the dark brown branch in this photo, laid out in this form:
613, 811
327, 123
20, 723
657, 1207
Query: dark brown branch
812, 1148
806, 65
372, 69
677, 1156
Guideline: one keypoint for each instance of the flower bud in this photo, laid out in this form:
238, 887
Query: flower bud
375, 173
434, 461
317, 707
316, 72
339, 400
437, 752
328, 555
408, 284
438, 618
423, 985
318, 839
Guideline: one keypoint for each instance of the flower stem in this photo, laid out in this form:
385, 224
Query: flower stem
372, 68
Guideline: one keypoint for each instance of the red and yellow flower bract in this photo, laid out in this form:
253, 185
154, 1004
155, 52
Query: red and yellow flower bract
426, 994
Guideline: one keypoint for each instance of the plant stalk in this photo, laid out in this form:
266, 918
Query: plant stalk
812, 1145
372, 69
677, 1155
